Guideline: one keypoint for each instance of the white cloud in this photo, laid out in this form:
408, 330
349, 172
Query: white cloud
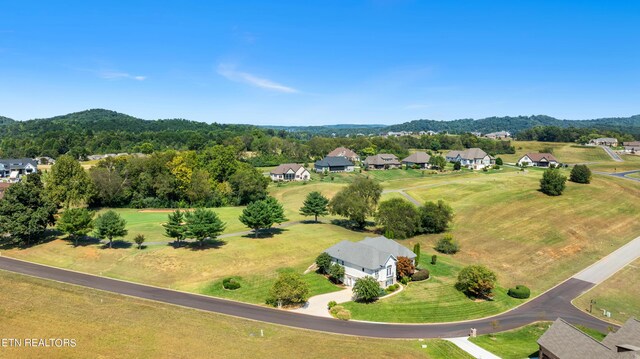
230, 72
115, 75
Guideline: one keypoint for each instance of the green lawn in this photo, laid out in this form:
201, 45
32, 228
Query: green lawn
630, 162
433, 300
619, 295
634, 175
529, 238
107, 325
522, 342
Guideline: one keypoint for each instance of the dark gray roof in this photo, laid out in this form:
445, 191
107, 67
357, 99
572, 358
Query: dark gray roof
359, 254
628, 335
418, 157
568, 342
468, 154
18, 162
385, 244
330, 161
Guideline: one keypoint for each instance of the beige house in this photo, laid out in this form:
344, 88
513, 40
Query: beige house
420, 159
346, 153
538, 160
382, 161
290, 172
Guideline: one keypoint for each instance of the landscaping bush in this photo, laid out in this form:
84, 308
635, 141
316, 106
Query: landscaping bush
422, 274
343, 314
405, 280
552, 182
335, 309
499, 161
390, 289
332, 304
434, 259
397, 286
367, 289
230, 284
580, 174
520, 292
447, 245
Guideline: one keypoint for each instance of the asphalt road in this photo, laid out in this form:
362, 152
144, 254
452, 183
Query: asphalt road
550, 305
621, 174
612, 153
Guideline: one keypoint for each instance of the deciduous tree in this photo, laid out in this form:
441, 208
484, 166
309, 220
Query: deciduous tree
323, 261
552, 182
435, 217
398, 217
580, 174
288, 289
404, 267
366, 289
68, 184
357, 201
476, 281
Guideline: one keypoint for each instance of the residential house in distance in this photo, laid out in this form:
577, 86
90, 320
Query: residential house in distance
334, 164
290, 172
473, 158
631, 147
14, 168
376, 257
3, 188
500, 135
564, 341
476, 133
538, 160
344, 152
604, 141
419, 159
44, 160
382, 161
427, 133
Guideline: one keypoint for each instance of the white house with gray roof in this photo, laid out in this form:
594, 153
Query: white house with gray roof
473, 158
373, 256
14, 168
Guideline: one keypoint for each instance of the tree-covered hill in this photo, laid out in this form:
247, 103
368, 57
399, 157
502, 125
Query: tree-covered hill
5, 120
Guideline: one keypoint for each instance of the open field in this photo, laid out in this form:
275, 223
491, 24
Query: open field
114, 326
630, 162
529, 238
432, 300
522, 342
619, 295
564, 152
634, 175
254, 260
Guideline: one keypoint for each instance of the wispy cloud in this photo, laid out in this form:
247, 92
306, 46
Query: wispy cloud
115, 75
230, 72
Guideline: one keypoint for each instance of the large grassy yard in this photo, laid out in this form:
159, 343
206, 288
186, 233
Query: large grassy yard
630, 162
432, 300
528, 237
522, 342
113, 326
564, 152
619, 295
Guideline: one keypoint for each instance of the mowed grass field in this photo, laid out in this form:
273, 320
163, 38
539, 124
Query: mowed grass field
432, 300
106, 325
564, 152
630, 162
619, 295
528, 237
255, 261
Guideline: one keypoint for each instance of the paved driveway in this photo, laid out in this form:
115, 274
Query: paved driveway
317, 305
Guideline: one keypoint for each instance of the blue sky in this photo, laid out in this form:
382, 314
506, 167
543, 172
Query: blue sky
320, 62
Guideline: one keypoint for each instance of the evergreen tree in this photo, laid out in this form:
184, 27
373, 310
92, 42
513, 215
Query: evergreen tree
139, 239
315, 205
580, 174
416, 250
262, 214
457, 166
202, 224
175, 228
110, 225
76, 222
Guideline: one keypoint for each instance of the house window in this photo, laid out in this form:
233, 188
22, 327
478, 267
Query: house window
363, 269
389, 274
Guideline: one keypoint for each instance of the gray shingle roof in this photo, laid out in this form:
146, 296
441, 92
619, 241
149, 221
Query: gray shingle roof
330, 161
17, 163
388, 245
283, 168
418, 157
359, 254
568, 342
382, 159
342, 152
627, 335
468, 154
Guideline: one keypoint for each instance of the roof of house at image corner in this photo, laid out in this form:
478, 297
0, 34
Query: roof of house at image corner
568, 342
17, 162
418, 157
330, 161
370, 253
537, 157
468, 154
283, 168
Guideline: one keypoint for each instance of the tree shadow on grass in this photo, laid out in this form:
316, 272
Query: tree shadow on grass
49, 235
83, 241
118, 244
266, 233
204, 245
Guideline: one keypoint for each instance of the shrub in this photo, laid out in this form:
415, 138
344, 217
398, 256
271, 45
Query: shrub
476, 281
343, 314
391, 289
457, 166
434, 259
336, 271
323, 261
422, 274
288, 289
332, 304
397, 286
230, 283
580, 174
552, 182
520, 292
497, 167
447, 245
405, 280
335, 309
366, 289
499, 161
404, 267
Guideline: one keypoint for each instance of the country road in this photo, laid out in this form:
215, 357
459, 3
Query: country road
548, 306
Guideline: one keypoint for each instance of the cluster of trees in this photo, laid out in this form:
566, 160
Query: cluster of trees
570, 134
200, 225
401, 219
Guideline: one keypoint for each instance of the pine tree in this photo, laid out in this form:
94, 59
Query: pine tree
262, 214
174, 228
76, 222
202, 224
315, 205
110, 225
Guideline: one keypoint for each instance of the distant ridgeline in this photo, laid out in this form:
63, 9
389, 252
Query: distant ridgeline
101, 131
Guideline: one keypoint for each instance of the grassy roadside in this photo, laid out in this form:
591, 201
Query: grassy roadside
107, 325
